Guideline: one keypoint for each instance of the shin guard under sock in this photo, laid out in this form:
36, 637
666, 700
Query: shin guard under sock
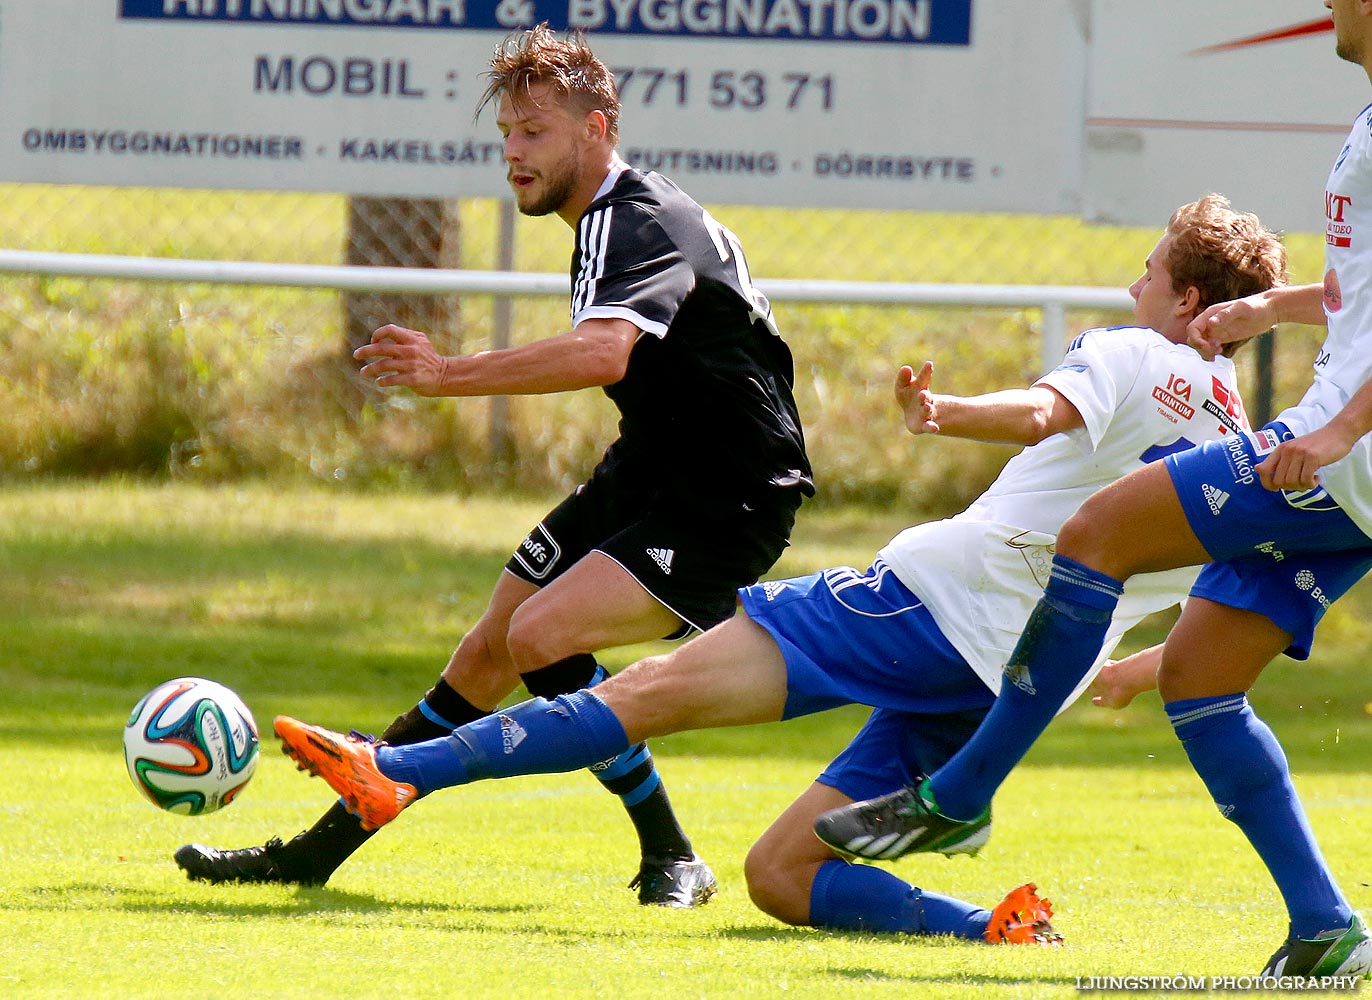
633, 777
1245, 770
537, 737
1060, 642
864, 898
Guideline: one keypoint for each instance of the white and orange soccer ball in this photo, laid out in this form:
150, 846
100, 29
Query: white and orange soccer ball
190, 745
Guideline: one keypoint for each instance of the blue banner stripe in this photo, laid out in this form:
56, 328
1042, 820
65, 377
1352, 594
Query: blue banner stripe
910, 22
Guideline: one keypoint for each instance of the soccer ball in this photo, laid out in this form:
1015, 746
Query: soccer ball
190, 746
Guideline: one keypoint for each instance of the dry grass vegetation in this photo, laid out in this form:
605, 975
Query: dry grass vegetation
215, 383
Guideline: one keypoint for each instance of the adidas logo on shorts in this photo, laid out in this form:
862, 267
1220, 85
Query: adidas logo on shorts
511, 734
663, 558
1215, 498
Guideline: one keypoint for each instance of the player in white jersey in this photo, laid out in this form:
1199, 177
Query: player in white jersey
920, 635
1284, 516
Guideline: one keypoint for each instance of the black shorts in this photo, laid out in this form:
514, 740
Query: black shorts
689, 553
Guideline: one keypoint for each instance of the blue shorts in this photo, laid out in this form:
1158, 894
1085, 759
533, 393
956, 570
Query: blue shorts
1284, 554
898, 748
861, 639
866, 639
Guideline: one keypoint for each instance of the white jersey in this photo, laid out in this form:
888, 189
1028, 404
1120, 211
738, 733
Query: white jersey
981, 573
1344, 362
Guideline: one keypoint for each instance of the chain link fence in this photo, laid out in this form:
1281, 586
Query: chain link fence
218, 381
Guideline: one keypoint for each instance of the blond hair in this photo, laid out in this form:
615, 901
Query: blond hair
1222, 253
567, 65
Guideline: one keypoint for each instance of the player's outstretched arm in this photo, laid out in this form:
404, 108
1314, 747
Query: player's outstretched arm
1121, 681
595, 353
1011, 416
1226, 322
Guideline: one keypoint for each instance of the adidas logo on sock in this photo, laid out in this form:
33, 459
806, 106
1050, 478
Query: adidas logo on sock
663, 558
1214, 497
1018, 675
511, 734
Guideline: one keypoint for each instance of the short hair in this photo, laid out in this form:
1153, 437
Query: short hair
566, 64
1222, 253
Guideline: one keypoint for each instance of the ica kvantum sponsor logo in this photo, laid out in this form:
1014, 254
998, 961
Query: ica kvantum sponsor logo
1175, 396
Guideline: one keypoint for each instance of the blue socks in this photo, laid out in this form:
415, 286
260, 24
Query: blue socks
1061, 641
1245, 770
862, 898
537, 737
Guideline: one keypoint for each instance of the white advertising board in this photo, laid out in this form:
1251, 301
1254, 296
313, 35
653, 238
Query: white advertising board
927, 104
1243, 97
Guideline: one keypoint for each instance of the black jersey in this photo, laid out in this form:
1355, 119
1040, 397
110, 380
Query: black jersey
706, 402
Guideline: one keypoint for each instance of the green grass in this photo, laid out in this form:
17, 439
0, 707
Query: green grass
341, 608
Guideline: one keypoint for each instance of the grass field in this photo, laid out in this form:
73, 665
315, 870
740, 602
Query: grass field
340, 609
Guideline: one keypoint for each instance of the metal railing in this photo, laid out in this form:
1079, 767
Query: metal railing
1053, 300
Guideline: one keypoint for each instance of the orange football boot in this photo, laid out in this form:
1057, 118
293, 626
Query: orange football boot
348, 764
1022, 917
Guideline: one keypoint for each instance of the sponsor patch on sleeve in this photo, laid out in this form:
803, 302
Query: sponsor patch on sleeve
538, 553
1265, 441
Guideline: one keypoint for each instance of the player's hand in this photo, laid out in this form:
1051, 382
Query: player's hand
915, 399
397, 356
1295, 464
1227, 322
1109, 689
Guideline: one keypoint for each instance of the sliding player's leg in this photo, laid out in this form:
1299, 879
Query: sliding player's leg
1135, 525
796, 879
801, 646
731, 675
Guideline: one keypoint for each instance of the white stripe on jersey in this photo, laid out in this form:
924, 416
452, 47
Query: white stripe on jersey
595, 238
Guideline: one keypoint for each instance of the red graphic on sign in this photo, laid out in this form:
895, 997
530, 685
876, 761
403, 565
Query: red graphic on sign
1315, 27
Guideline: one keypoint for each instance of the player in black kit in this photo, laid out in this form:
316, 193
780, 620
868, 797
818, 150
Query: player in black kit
695, 499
